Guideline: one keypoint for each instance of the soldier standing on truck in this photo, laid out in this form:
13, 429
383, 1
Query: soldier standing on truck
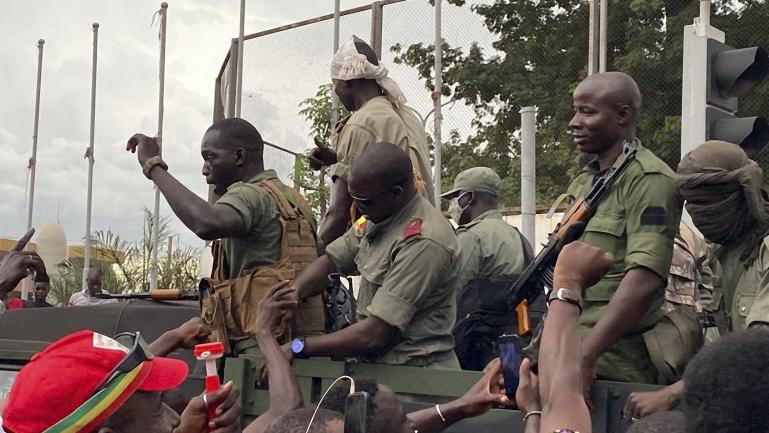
405, 252
636, 222
267, 230
492, 254
379, 115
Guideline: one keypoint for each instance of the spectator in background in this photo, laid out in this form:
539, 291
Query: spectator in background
42, 287
326, 421
94, 281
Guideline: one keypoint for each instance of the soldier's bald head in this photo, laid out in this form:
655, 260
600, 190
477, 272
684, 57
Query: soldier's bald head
384, 164
615, 88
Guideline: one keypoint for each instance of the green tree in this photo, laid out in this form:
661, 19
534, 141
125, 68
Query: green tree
317, 112
126, 264
541, 56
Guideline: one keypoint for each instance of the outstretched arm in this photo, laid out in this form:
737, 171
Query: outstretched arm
208, 221
337, 216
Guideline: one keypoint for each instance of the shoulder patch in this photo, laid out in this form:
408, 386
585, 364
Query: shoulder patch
414, 228
654, 216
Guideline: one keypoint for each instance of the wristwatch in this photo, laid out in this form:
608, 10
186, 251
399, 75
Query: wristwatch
150, 163
297, 348
566, 295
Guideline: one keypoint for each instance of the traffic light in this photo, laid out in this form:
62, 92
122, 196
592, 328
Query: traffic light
732, 74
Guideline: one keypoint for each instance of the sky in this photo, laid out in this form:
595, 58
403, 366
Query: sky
280, 71
198, 36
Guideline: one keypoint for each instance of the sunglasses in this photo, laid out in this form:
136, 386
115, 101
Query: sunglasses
139, 353
369, 201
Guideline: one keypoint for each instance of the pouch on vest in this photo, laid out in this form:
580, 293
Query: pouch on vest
240, 296
673, 342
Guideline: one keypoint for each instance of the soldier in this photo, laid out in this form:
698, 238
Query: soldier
379, 115
492, 254
405, 252
636, 222
267, 230
94, 283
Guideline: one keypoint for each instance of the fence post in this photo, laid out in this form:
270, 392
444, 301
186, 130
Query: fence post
376, 27
89, 154
241, 51
437, 115
593, 46
233, 78
528, 173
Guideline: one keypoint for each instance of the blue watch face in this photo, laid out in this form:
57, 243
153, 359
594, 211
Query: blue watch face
297, 346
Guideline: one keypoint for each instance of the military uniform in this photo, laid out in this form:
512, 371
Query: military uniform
636, 222
745, 288
378, 121
407, 269
492, 254
279, 240
260, 245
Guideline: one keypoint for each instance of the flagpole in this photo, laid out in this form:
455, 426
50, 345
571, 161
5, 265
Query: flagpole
161, 94
89, 155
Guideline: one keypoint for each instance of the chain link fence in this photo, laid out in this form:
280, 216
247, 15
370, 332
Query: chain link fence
499, 56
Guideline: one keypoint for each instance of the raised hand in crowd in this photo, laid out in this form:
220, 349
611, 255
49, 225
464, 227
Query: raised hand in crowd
488, 392
228, 413
527, 397
285, 396
579, 266
18, 263
641, 404
187, 336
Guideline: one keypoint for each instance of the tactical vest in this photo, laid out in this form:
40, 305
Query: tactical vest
230, 310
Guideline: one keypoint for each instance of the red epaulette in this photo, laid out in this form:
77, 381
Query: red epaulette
414, 228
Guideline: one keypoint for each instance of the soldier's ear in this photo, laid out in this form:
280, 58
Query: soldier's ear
241, 155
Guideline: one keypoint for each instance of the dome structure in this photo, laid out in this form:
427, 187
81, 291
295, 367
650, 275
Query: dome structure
51, 245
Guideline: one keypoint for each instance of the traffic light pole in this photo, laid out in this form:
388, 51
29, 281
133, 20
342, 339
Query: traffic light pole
695, 79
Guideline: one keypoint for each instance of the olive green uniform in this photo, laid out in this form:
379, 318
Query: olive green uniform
378, 121
745, 289
489, 248
407, 269
260, 245
636, 222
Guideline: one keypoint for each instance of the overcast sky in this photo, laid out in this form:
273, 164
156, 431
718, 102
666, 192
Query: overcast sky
199, 32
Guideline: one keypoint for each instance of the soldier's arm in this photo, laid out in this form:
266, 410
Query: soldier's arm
368, 337
352, 140
653, 212
207, 221
468, 258
337, 215
339, 257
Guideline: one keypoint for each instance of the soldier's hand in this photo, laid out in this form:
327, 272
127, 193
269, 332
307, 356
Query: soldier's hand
322, 155
275, 308
580, 265
144, 147
191, 333
641, 404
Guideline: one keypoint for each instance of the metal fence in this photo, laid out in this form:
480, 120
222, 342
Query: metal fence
526, 53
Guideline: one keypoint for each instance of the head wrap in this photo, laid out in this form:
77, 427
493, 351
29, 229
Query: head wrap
722, 188
349, 64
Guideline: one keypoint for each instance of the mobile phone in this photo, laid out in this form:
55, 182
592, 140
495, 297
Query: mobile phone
355, 412
511, 356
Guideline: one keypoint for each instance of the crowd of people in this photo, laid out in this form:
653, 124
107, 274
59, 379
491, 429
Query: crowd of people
633, 299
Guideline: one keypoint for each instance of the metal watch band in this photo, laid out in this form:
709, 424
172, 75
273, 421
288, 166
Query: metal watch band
566, 295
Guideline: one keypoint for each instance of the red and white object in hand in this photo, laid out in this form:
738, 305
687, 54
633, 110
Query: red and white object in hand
209, 353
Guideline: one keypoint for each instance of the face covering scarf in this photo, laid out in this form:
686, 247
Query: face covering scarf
722, 187
455, 210
349, 64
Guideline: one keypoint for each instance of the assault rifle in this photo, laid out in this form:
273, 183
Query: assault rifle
157, 294
537, 278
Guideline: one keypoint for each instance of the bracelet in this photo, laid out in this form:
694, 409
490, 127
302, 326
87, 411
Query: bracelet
438, 409
530, 413
150, 163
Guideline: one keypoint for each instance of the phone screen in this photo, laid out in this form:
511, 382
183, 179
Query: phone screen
511, 356
355, 412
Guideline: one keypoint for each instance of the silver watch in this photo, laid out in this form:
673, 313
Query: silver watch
566, 295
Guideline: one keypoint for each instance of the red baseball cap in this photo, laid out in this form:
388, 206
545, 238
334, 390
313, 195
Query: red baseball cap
58, 380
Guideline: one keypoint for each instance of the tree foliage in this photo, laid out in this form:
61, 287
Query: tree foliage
541, 56
126, 264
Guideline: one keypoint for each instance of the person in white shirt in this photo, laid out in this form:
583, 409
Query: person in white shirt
94, 281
